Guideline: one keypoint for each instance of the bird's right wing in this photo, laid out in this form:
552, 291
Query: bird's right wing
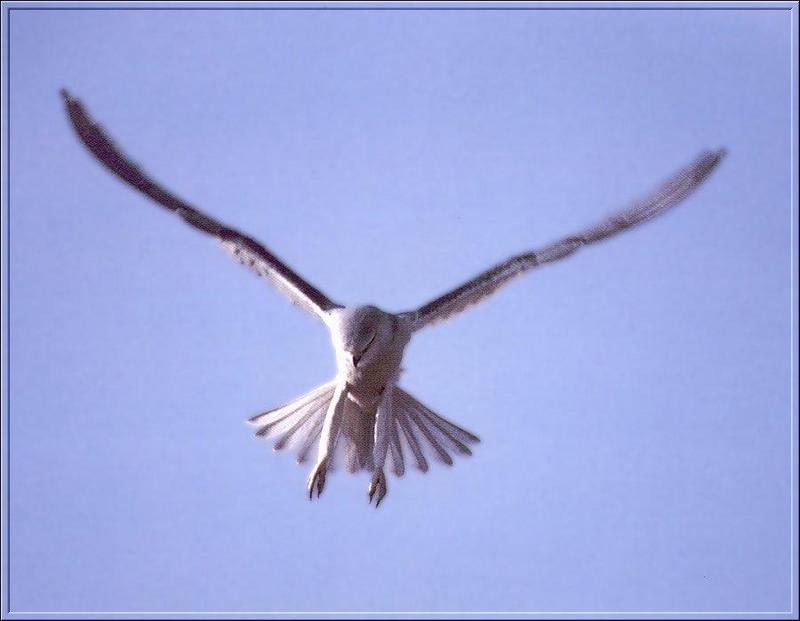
248, 251
673, 191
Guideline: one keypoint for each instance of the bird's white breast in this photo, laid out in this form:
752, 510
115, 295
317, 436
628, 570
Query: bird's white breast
379, 367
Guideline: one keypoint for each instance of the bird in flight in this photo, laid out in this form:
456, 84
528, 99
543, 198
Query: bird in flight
363, 413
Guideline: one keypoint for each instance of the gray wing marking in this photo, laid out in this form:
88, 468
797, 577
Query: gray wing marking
673, 191
249, 252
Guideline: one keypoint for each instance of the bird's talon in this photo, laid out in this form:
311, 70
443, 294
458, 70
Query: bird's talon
377, 486
317, 477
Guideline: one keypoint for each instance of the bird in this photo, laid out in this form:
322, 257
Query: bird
362, 414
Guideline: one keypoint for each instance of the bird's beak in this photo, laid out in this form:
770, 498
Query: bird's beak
356, 358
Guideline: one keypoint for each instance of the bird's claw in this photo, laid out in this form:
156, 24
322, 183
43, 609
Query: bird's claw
377, 486
317, 477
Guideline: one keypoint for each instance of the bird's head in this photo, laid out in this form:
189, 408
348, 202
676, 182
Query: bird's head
361, 331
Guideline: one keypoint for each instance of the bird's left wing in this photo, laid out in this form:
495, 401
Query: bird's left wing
248, 251
673, 191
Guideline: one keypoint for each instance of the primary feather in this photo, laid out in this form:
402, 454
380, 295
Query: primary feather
669, 194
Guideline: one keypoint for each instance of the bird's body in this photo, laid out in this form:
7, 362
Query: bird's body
369, 345
363, 411
379, 340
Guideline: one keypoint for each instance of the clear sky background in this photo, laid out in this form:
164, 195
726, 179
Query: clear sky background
633, 401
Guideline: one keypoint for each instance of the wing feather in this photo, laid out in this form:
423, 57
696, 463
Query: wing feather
669, 194
249, 252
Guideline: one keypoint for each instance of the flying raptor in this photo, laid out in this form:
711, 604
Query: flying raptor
363, 410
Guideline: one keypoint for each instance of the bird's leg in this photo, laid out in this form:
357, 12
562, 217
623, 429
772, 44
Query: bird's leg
377, 486
317, 477
383, 422
327, 441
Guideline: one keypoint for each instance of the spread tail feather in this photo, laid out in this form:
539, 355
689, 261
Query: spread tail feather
416, 429
416, 421
298, 421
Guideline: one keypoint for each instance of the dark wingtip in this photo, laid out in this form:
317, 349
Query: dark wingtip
69, 100
719, 154
73, 107
707, 162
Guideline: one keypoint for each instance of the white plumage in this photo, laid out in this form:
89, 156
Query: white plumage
362, 414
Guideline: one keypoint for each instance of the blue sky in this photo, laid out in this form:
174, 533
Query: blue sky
633, 401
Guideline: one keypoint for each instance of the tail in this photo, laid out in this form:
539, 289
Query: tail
415, 429
411, 417
297, 423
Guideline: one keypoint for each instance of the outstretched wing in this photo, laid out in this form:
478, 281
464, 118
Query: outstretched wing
678, 187
248, 251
